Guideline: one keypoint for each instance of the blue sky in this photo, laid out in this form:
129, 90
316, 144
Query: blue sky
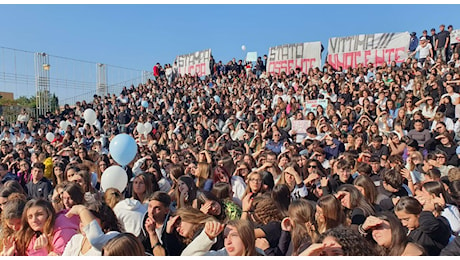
138, 36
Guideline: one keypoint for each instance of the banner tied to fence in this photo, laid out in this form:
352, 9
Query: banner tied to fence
196, 63
455, 36
291, 56
376, 48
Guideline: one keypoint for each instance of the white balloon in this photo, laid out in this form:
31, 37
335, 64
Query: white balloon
114, 177
63, 125
90, 116
140, 128
50, 137
148, 127
243, 47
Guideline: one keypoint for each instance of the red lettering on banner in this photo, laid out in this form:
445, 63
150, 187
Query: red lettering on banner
284, 65
203, 69
198, 69
355, 58
331, 61
276, 67
271, 67
290, 65
378, 57
379, 60
306, 64
334, 60
389, 53
347, 56
366, 54
398, 58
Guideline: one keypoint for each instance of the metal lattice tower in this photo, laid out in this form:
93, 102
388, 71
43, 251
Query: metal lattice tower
42, 82
101, 85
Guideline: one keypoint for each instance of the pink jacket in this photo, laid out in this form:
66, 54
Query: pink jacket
64, 229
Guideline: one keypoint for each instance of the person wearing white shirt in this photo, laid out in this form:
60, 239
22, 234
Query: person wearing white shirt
427, 106
130, 213
425, 50
279, 94
361, 77
442, 118
92, 237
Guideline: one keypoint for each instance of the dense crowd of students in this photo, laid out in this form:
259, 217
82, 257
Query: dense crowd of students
223, 172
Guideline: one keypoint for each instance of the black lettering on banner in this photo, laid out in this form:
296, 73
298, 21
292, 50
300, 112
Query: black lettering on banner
291, 51
272, 54
380, 41
299, 51
333, 44
370, 38
351, 42
343, 40
189, 63
389, 39
284, 52
360, 43
180, 61
385, 40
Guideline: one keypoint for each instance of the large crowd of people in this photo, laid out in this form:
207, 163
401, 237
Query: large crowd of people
223, 170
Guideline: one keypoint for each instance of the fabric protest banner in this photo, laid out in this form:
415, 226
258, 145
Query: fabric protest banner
196, 63
376, 48
455, 36
291, 56
300, 129
311, 105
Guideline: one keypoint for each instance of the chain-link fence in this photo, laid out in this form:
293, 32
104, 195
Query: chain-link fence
70, 80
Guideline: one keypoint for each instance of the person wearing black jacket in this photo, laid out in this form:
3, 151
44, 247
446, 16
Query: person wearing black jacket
39, 186
343, 176
392, 187
432, 233
154, 222
452, 249
183, 228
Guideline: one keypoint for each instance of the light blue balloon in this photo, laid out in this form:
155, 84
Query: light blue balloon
123, 149
145, 104
217, 98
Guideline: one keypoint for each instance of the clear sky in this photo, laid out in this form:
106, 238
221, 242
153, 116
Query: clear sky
138, 36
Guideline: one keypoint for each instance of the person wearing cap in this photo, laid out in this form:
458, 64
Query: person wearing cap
427, 37
425, 50
413, 41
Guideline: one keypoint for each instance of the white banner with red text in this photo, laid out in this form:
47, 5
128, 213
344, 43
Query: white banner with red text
291, 56
196, 63
363, 49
